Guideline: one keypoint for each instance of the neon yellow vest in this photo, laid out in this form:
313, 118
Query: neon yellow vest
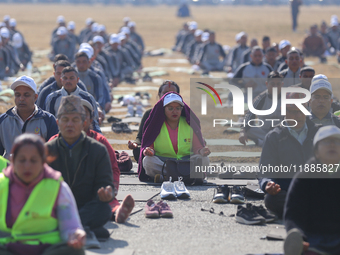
163, 146
3, 163
34, 224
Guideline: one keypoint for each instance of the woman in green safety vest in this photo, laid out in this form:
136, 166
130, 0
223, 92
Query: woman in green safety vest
38, 213
171, 131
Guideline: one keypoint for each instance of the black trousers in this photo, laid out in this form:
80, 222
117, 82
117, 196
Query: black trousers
95, 214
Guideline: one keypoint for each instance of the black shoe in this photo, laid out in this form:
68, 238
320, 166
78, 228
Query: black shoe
116, 127
268, 216
253, 190
205, 73
236, 195
125, 128
247, 215
221, 195
113, 119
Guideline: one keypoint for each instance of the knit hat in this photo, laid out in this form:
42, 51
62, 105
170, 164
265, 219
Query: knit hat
70, 104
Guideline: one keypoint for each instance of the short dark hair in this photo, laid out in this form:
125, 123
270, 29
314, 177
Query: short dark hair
81, 54
168, 83
63, 63
256, 48
211, 32
307, 69
265, 38
271, 49
69, 69
29, 139
60, 57
274, 75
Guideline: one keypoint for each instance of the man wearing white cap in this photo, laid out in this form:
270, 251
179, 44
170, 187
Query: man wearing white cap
188, 37
24, 53
193, 45
102, 33
124, 63
235, 59
182, 32
321, 102
130, 50
130, 44
13, 61
284, 47
102, 56
63, 44
6, 20
25, 116
209, 58
334, 35
60, 23
312, 208
135, 36
71, 27
92, 33
4, 62
86, 30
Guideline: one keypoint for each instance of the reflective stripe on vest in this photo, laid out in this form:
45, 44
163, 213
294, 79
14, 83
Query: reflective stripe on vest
163, 146
3, 163
34, 224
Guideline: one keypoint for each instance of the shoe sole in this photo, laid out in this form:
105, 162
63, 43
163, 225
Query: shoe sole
166, 215
169, 197
220, 201
236, 201
152, 216
293, 243
183, 196
125, 209
247, 222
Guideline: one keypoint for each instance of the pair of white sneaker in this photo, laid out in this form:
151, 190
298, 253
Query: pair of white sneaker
173, 190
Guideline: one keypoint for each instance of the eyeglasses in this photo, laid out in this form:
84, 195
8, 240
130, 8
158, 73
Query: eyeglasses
171, 108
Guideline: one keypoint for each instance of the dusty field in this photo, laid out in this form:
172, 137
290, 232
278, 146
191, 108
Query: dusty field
158, 26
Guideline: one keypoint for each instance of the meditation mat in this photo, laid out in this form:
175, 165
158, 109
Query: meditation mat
7, 93
226, 142
173, 61
236, 154
114, 141
132, 119
45, 68
232, 130
277, 234
5, 99
135, 181
229, 182
137, 88
158, 73
106, 248
138, 196
122, 109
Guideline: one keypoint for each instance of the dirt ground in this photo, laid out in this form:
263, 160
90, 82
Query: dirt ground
159, 25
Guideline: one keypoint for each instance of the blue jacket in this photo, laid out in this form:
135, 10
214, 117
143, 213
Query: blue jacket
41, 123
51, 79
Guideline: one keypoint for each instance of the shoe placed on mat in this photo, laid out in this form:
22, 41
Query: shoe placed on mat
293, 244
158, 178
236, 195
113, 119
168, 190
131, 111
151, 209
125, 128
222, 194
180, 189
247, 215
125, 209
268, 216
164, 210
116, 127
91, 240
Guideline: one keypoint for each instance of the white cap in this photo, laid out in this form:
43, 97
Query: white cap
198, 32
114, 38
121, 36
2, 24
334, 22
60, 19
126, 19
98, 38
335, 17
325, 132
12, 23
172, 98
4, 32
17, 40
321, 84
101, 28
71, 25
24, 81
131, 24
94, 27
6, 18
88, 21
205, 36
62, 31
125, 30
319, 77
87, 51
283, 44
87, 104
192, 25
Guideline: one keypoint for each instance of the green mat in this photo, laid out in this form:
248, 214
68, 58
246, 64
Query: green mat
7, 93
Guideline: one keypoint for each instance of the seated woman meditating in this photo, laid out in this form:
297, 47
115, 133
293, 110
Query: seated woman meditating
38, 213
172, 131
